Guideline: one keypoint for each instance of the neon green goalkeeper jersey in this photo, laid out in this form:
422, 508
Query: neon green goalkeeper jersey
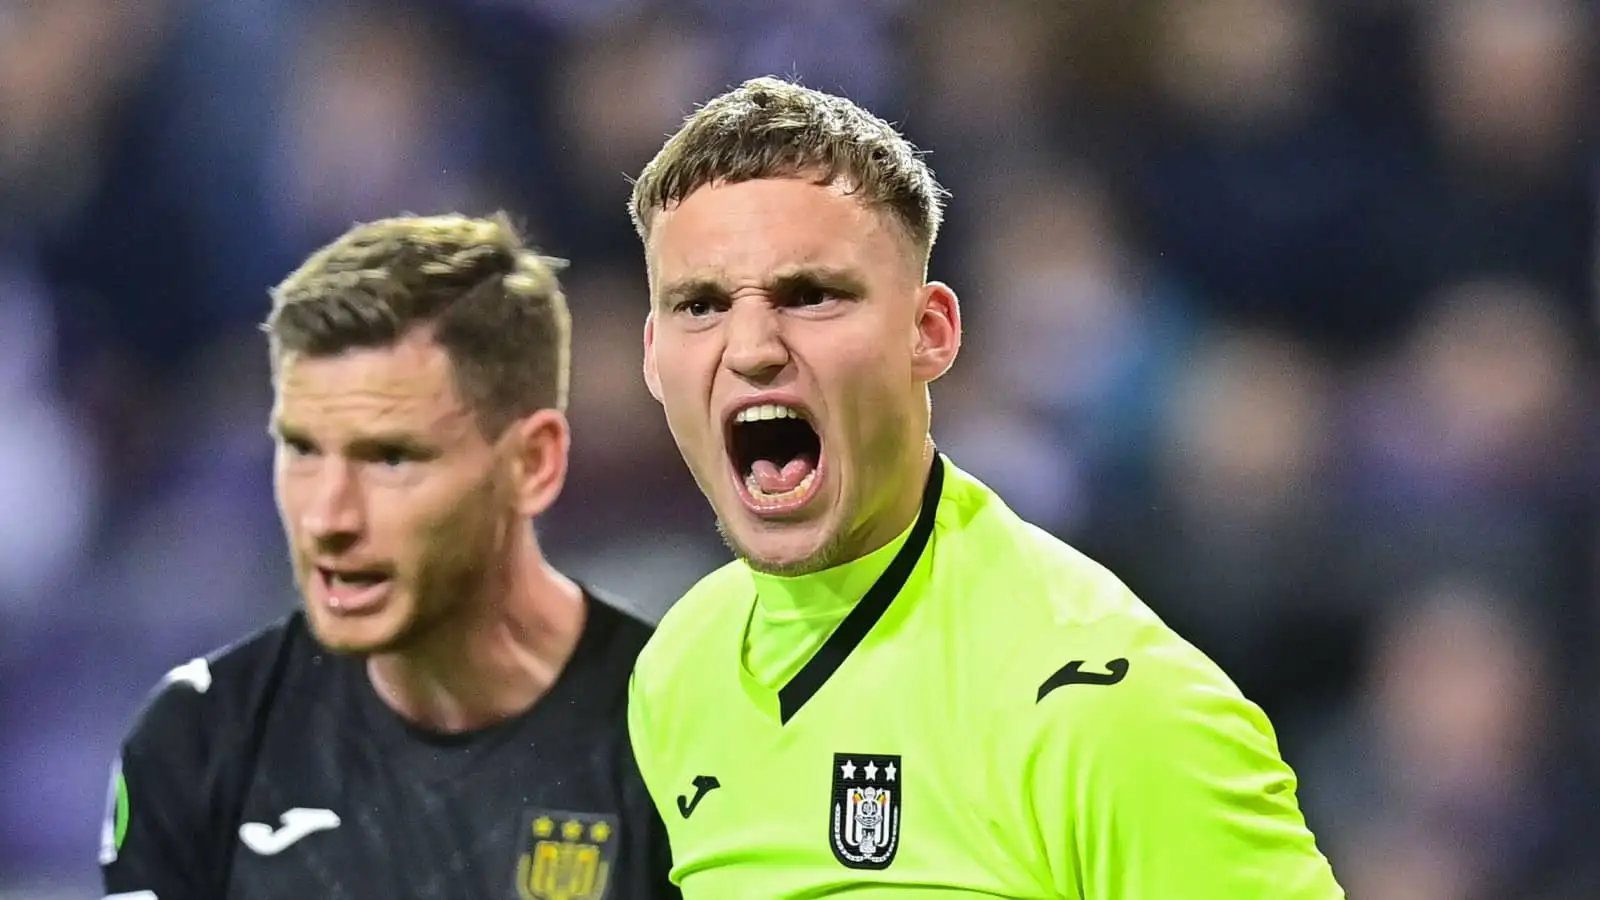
974, 710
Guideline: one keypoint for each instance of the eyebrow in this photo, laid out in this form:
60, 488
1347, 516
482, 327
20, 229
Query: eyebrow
700, 286
366, 443
785, 281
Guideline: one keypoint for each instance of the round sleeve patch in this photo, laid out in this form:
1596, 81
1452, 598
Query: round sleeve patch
115, 826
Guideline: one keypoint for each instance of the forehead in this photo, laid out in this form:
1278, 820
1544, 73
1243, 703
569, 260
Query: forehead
408, 385
751, 229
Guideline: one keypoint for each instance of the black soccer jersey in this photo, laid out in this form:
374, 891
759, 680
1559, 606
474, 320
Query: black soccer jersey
272, 770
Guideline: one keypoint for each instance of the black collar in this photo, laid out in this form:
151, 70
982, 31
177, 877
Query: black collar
853, 630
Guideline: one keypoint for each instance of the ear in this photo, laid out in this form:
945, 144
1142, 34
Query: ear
652, 377
938, 337
539, 449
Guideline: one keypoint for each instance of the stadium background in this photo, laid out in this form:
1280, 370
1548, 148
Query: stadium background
1282, 308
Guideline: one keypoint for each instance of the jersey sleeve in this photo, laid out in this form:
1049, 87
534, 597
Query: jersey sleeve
639, 736
659, 848
155, 843
1150, 775
660, 861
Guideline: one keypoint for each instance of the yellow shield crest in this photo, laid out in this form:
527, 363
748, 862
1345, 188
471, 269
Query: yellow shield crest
569, 856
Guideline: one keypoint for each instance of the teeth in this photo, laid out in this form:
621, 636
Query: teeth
355, 579
766, 412
764, 498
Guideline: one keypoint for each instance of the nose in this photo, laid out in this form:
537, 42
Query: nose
755, 349
334, 515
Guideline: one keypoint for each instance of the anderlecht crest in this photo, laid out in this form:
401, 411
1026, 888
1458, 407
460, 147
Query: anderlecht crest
569, 856
865, 823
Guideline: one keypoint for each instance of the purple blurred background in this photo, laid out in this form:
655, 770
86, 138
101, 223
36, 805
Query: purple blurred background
1283, 309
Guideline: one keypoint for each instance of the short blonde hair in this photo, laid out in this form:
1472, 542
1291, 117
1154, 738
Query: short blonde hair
770, 128
495, 304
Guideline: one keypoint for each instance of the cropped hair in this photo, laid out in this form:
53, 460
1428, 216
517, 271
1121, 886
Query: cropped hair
770, 128
494, 305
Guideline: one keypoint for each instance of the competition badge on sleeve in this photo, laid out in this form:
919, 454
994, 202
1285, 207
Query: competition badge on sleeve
115, 825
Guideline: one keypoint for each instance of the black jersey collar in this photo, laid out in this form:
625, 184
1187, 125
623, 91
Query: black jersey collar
853, 630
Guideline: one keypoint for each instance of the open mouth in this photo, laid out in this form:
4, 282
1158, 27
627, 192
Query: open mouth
776, 455
353, 590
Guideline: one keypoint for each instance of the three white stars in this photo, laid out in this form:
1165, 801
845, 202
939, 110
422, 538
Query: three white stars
848, 770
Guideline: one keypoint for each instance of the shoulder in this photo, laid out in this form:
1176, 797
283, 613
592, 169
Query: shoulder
615, 633
627, 624
1152, 775
207, 698
1144, 757
1123, 703
993, 556
1126, 683
1070, 624
174, 786
709, 606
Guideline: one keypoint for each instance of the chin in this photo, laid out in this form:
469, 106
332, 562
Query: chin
361, 636
783, 549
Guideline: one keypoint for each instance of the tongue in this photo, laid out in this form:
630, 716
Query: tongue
773, 480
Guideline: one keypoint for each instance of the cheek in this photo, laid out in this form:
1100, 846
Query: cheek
412, 525
684, 400
285, 504
871, 389
455, 521
290, 503
285, 487
672, 371
866, 374
697, 443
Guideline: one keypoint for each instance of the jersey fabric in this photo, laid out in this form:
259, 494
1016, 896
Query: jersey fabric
974, 710
272, 770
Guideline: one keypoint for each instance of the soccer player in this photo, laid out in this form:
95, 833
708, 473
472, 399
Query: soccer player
446, 715
899, 683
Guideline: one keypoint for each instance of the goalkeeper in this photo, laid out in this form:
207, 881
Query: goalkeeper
900, 687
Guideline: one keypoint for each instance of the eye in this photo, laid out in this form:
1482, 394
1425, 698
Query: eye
697, 307
812, 295
393, 457
297, 446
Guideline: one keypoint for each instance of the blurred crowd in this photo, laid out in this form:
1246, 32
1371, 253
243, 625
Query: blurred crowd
1283, 309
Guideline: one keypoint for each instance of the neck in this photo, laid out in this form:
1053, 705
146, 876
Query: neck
472, 671
901, 508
